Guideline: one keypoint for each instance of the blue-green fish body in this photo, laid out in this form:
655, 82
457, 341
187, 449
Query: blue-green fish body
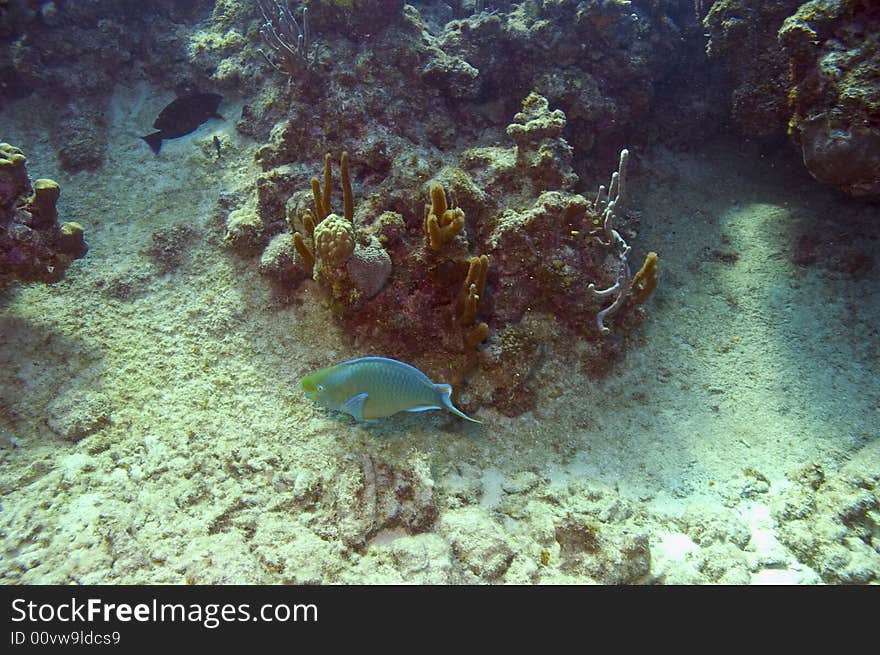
370, 388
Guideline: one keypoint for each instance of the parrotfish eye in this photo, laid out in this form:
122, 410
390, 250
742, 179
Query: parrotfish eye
320, 387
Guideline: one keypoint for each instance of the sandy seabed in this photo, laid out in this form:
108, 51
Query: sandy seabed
152, 429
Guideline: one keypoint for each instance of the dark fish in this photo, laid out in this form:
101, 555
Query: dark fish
217, 145
182, 116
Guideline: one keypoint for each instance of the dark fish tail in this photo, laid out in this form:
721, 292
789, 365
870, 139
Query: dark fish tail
154, 140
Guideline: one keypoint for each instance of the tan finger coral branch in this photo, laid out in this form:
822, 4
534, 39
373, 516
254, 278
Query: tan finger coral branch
320, 211
474, 287
347, 198
303, 250
328, 181
321, 196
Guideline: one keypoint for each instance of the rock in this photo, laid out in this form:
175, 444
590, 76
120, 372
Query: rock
245, 231
371, 494
478, 542
831, 520
723, 563
844, 156
282, 262
833, 52
422, 559
77, 413
369, 268
608, 555
707, 524
522, 482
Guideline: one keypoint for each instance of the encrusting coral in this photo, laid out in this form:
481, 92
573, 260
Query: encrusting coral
537, 132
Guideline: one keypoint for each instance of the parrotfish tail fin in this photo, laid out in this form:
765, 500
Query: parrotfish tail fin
154, 140
445, 393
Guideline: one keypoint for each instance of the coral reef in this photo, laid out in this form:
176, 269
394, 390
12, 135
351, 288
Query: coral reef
811, 68
554, 49
833, 51
600, 63
464, 234
356, 18
743, 36
33, 247
515, 254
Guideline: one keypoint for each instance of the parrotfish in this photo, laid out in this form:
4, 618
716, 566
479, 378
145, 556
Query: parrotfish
182, 116
370, 388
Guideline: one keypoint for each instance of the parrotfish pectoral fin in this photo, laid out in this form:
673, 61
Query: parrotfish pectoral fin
355, 406
445, 393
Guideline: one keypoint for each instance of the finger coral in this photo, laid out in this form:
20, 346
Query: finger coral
473, 289
442, 222
336, 240
350, 264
